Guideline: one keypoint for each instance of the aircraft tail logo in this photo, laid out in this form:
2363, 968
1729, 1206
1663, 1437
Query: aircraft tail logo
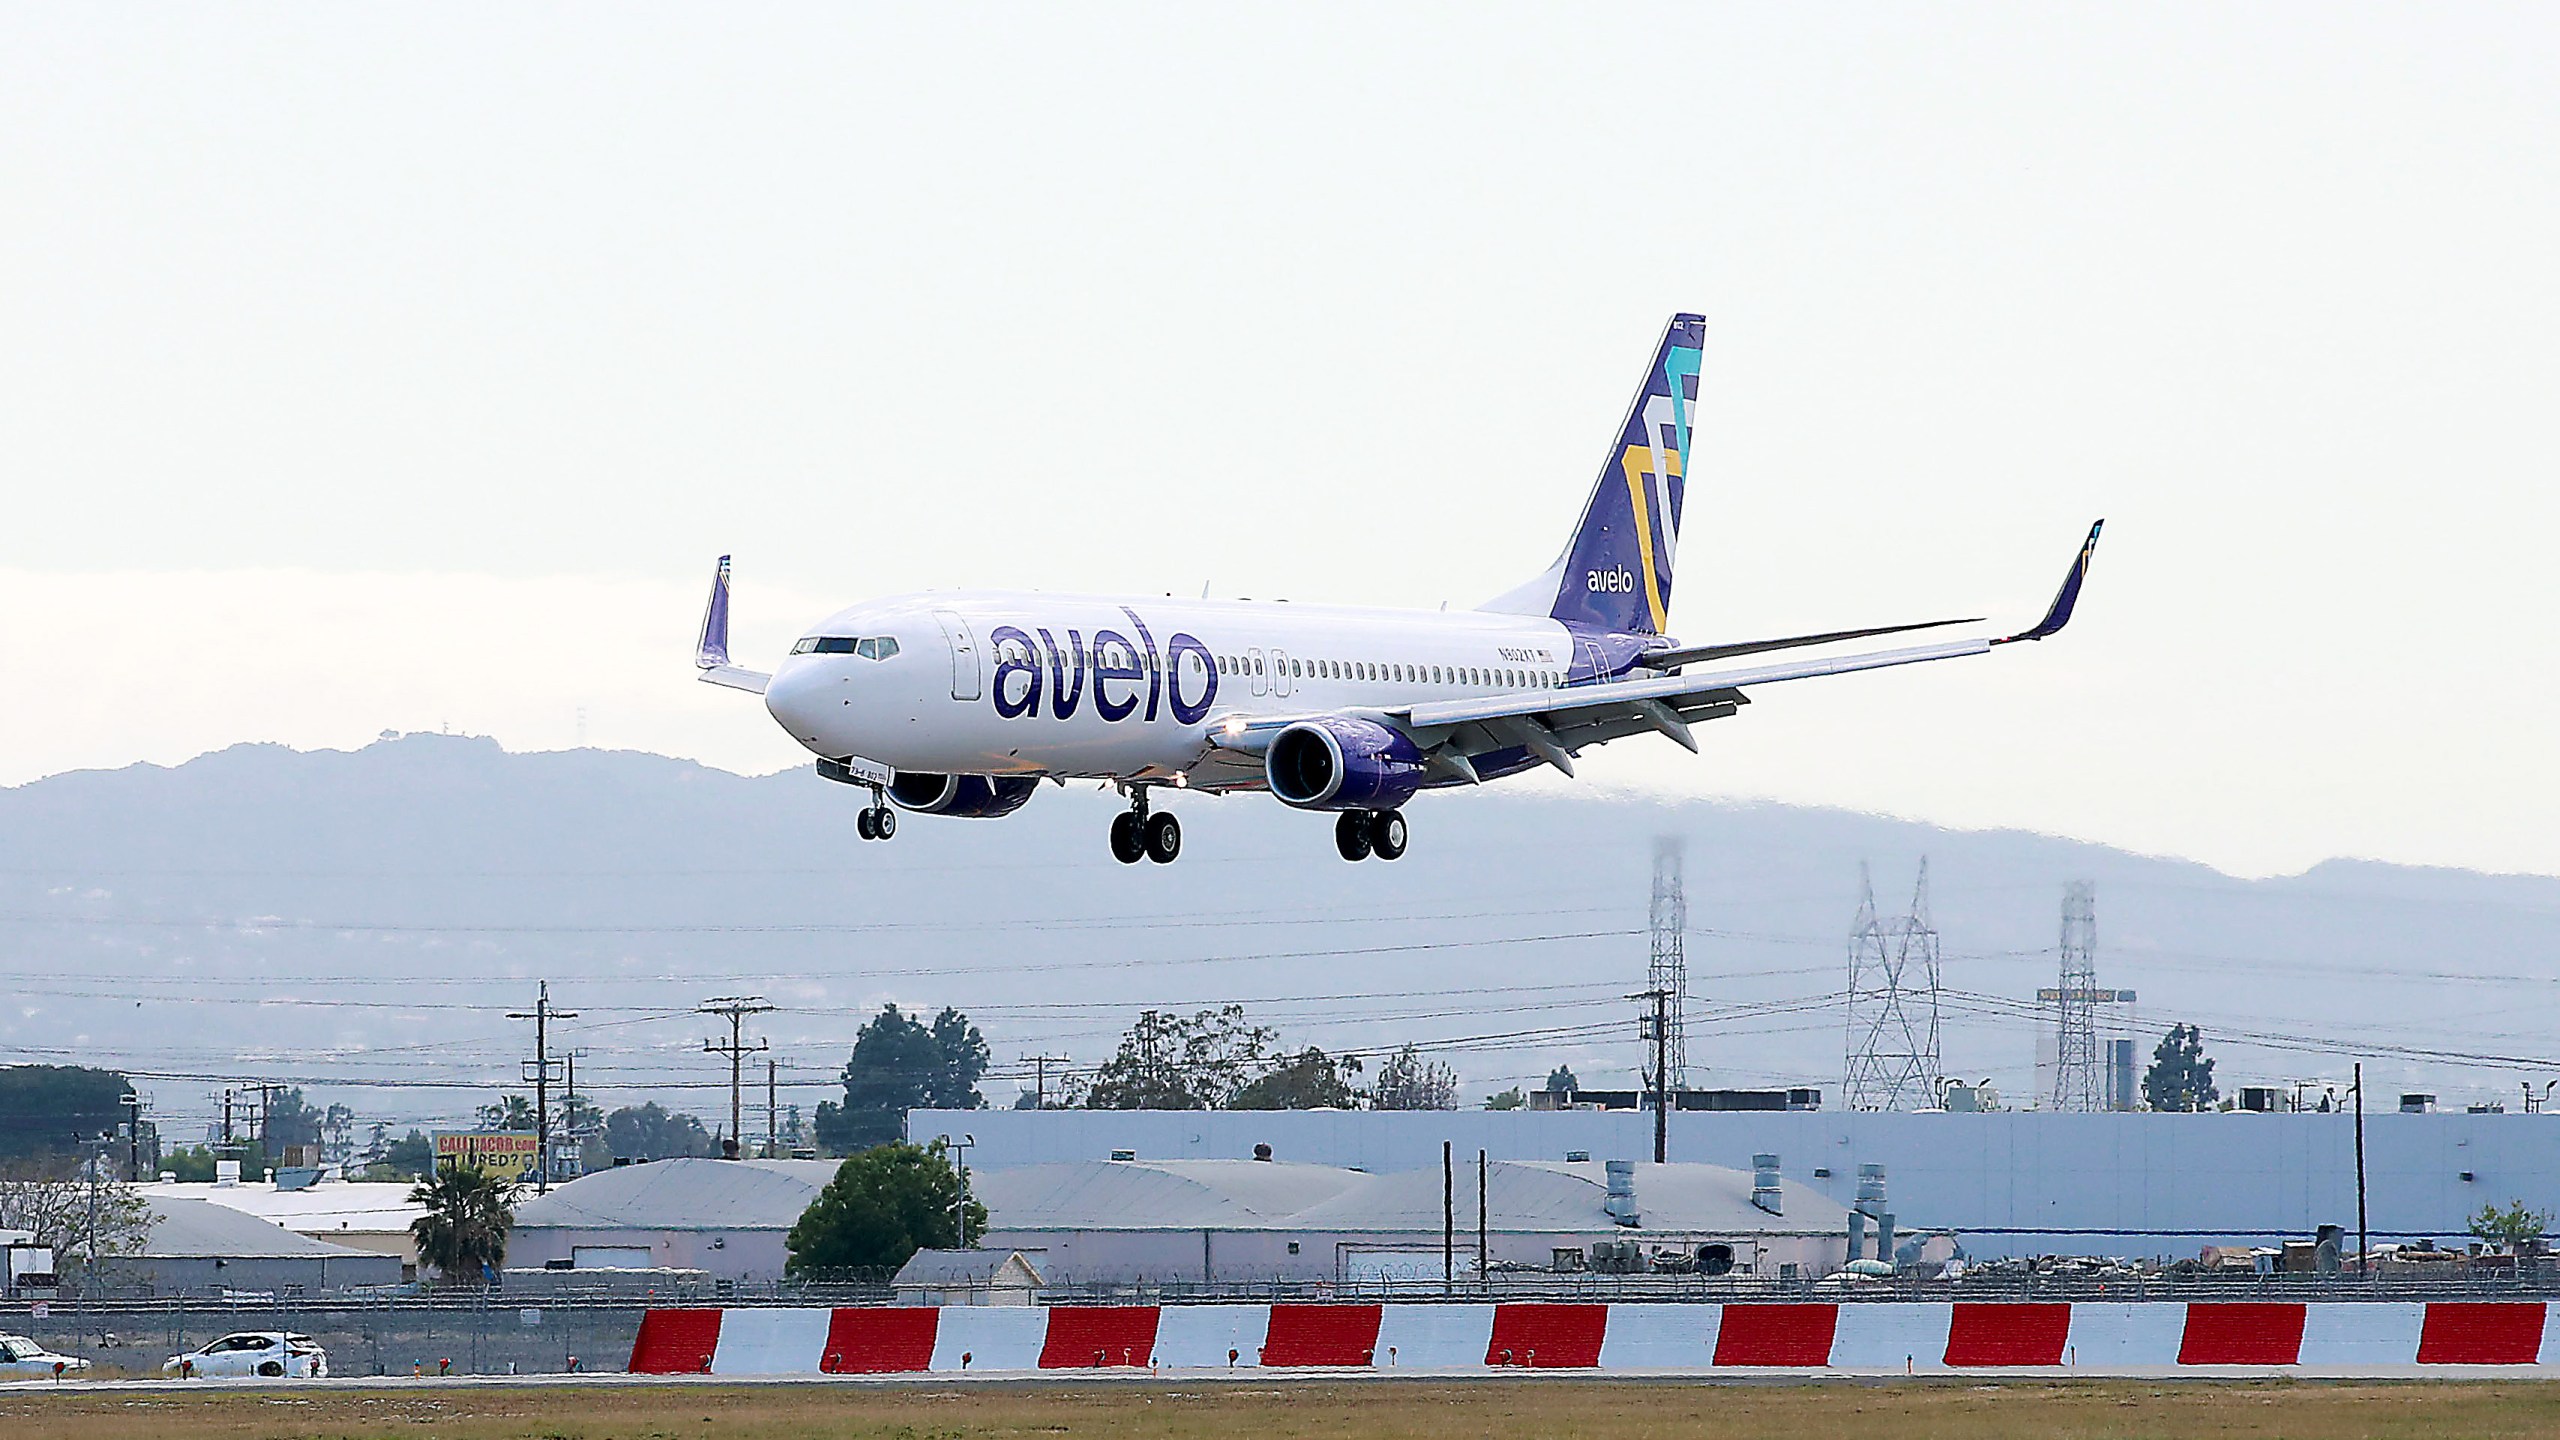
1615, 573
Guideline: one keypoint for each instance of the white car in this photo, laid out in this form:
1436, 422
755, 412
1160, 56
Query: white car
24, 1359
268, 1354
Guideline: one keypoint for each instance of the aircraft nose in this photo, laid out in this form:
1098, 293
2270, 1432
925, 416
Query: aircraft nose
797, 697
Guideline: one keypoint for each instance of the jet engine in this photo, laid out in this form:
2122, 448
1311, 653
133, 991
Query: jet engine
971, 797
1343, 763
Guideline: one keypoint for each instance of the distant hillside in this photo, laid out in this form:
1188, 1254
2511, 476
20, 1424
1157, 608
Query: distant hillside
156, 917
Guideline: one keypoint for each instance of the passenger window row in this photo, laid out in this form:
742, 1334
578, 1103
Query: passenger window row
1504, 677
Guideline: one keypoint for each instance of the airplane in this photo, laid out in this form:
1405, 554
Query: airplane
959, 703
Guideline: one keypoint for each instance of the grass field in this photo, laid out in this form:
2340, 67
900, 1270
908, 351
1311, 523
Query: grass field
1583, 1410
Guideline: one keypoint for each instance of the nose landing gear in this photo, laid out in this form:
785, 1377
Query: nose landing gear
878, 821
1138, 835
1359, 834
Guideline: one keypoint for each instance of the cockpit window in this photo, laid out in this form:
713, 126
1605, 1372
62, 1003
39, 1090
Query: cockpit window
880, 648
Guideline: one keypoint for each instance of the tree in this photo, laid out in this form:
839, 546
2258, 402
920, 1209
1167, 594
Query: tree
57, 1109
288, 1119
2180, 1077
51, 1199
899, 1064
1170, 1062
512, 1112
2512, 1228
1510, 1099
652, 1132
1560, 1081
1308, 1080
463, 1235
883, 1206
1406, 1081
412, 1154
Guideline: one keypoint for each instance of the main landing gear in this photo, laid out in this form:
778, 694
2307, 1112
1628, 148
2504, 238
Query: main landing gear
1359, 834
1137, 835
878, 822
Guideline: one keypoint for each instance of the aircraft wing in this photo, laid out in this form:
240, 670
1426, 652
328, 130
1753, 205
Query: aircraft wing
1553, 724
711, 648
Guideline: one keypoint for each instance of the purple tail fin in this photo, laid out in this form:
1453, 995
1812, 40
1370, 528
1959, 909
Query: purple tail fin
1615, 574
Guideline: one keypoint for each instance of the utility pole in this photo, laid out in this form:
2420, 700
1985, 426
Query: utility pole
542, 1015
2364, 1237
1040, 1077
1483, 1270
132, 1104
1657, 1028
737, 1008
1448, 1220
772, 1110
569, 1102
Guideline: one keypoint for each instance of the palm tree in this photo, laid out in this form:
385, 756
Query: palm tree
463, 1235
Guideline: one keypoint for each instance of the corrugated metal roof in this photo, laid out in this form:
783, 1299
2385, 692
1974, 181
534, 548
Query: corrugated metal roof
682, 1195
1257, 1195
1156, 1194
199, 1229
1570, 1197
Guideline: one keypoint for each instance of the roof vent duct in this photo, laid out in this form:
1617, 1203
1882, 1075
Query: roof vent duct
1764, 1184
1621, 1203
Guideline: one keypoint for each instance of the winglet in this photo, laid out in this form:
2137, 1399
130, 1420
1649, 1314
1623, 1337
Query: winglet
2069, 595
711, 651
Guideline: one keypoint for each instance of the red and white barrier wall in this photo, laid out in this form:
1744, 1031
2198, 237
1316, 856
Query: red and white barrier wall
1876, 1336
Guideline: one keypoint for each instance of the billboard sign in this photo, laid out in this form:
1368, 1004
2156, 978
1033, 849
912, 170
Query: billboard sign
506, 1154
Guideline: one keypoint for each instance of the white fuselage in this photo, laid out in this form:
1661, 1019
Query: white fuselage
997, 683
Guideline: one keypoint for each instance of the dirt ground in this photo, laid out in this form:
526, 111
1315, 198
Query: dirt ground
1583, 1410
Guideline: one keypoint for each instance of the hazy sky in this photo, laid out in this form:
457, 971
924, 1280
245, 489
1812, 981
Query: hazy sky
373, 367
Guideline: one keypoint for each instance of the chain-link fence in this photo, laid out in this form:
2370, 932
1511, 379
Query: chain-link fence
590, 1326
489, 1334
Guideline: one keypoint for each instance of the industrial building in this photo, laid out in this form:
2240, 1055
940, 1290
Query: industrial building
1214, 1222
2005, 1183
360, 1215
726, 1218
196, 1247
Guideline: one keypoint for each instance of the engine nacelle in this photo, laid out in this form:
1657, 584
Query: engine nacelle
970, 797
1341, 763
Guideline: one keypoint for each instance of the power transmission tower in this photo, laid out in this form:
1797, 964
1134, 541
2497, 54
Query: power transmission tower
2075, 1051
737, 1008
1893, 1004
541, 1015
1669, 970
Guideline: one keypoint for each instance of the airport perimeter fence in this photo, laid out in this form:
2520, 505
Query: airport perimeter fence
553, 1329
364, 1334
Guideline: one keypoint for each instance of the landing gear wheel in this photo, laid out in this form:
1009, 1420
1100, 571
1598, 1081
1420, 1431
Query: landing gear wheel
1351, 835
863, 824
884, 822
1387, 833
1164, 838
1127, 845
